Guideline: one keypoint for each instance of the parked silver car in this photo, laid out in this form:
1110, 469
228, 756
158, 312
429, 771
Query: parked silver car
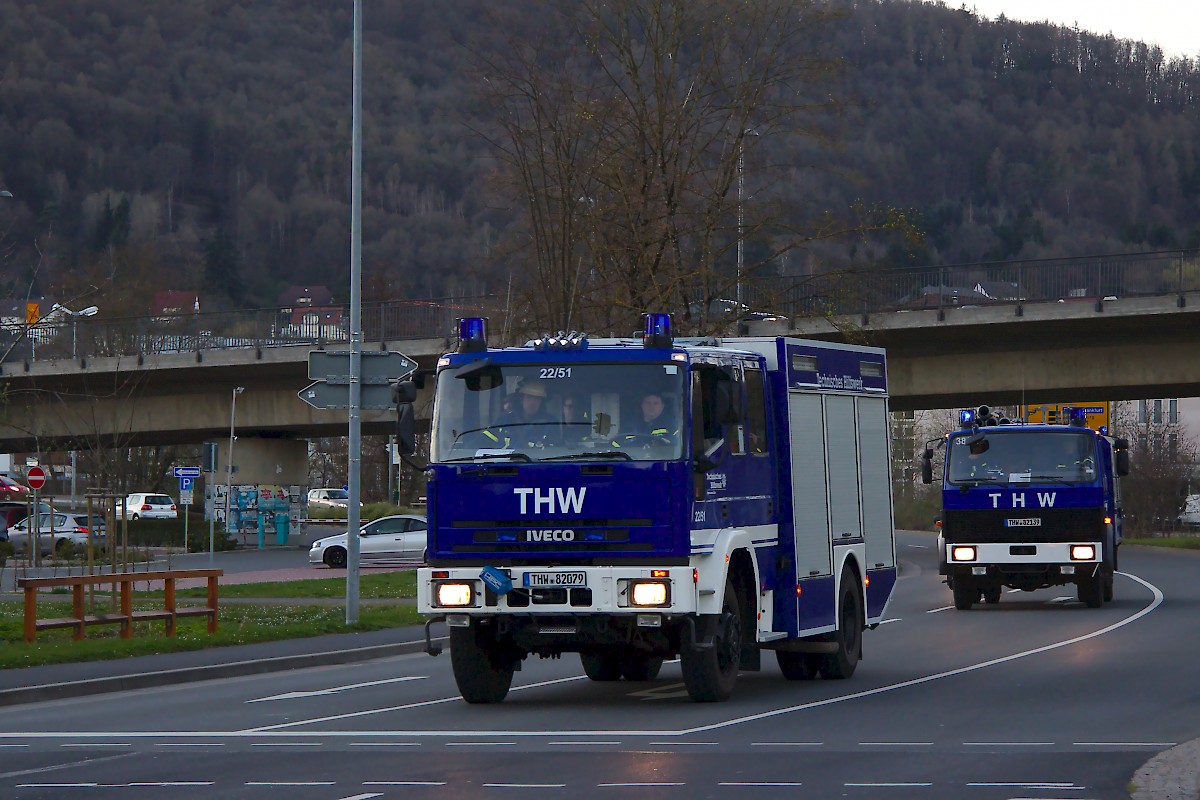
55, 531
150, 505
395, 539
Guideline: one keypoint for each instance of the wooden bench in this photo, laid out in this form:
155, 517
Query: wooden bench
127, 616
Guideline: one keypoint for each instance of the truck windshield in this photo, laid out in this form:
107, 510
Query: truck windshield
550, 412
1023, 457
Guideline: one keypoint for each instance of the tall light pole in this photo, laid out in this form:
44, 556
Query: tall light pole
741, 180
229, 464
90, 311
353, 509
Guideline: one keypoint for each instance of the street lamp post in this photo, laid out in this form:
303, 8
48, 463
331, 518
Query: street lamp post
229, 463
90, 311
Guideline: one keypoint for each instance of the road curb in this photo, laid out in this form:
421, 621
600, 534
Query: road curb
121, 683
1171, 775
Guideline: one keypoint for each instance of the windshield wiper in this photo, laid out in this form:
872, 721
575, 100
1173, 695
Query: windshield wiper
514, 456
1056, 479
621, 454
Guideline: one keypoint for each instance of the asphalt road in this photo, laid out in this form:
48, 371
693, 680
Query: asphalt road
1037, 697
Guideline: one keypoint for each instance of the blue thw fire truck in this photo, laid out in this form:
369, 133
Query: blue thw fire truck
1029, 506
633, 500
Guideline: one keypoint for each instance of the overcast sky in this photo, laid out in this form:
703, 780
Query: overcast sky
1174, 25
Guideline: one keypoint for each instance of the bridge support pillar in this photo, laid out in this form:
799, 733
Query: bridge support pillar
266, 461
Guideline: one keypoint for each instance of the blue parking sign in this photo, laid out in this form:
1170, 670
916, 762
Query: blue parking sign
185, 484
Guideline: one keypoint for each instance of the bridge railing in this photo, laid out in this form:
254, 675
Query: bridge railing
92, 337
1092, 279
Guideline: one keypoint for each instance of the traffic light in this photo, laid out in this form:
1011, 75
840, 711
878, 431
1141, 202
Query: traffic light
208, 457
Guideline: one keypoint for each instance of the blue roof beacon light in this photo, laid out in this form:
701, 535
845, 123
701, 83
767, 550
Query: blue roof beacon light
1103, 430
1077, 417
472, 334
966, 416
657, 331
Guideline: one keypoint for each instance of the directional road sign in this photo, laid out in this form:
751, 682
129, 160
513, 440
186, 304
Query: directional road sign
329, 371
187, 472
36, 477
378, 366
319, 394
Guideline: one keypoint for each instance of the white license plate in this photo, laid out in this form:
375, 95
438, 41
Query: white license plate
1025, 522
538, 580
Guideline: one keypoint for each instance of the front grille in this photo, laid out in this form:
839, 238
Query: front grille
974, 526
558, 547
554, 523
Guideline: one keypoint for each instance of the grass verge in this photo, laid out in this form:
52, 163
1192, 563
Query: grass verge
239, 624
379, 586
1178, 542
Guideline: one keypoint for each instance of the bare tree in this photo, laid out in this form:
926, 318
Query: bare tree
1162, 460
624, 130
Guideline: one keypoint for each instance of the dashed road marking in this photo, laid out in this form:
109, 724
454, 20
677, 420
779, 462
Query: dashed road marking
524, 785
636, 785
885, 785
335, 689
787, 744
404, 783
936, 610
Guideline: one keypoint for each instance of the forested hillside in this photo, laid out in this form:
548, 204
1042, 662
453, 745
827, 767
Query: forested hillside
204, 144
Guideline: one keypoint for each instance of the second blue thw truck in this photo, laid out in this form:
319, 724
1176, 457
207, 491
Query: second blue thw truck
635, 500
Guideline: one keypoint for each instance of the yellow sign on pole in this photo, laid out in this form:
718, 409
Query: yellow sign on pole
32, 314
1096, 414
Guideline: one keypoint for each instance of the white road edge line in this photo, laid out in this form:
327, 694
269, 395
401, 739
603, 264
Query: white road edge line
273, 730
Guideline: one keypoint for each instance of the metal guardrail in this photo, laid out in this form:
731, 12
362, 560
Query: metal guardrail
95, 337
1091, 279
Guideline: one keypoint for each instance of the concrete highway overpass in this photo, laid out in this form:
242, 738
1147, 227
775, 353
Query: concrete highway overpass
1121, 349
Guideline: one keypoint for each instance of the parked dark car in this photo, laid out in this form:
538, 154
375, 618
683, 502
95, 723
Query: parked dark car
11, 490
12, 511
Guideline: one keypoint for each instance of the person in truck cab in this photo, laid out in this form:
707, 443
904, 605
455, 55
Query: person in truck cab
655, 424
527, 423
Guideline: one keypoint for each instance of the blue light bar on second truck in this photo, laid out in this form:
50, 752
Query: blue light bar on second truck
472, 334
657, 331
966, 416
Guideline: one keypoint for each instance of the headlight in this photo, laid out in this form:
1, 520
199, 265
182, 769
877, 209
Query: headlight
962, 553
1083, 552
454, 595
650, 593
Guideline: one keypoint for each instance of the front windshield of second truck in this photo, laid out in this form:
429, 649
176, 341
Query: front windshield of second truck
551, 412
1022, 457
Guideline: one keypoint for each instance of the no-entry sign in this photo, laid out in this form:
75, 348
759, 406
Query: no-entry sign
36, 477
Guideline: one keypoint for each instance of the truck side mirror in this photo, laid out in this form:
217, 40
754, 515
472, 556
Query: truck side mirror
927, 466
405, 393
1121, 455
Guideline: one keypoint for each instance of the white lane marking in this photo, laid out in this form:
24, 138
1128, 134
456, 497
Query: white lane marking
98, 744
1014, 591
1008, 744
172, 783
189, 744
270, 730
285, 744
524, 785
886, 621
895, 744
787, 744
936, 610
1047, 785
1124, 744
886, 785
57, 785
686, 744
366, 796
401, 708
619, 785
759, 783
1063, 599
291, 783
404, 783
14, 745
334, 689
480, 744
667, 691
385, 744
583, 744
919, 546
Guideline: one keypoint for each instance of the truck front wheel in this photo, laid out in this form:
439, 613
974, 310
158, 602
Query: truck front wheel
1091, 588
966, 594
640, 668
482, 672
601, 667
710, 675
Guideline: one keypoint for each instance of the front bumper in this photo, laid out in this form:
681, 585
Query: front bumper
604, 590
1004, 553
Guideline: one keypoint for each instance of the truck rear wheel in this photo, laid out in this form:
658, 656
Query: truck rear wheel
797, 666
841, 665
710, 675
605, 667
483, 675
991, 594
640, 668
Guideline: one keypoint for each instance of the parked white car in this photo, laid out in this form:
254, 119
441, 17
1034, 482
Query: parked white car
1190, 516
398, 538
147, 505
54, 531
329, 498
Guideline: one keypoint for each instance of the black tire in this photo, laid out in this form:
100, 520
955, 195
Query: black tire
134, 518
1091, 589
601, 668
797, 666
62, 547
851, 620
1109, 571
965, 595
991, 594
335, 557
640, 668
482, 674
710, 675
